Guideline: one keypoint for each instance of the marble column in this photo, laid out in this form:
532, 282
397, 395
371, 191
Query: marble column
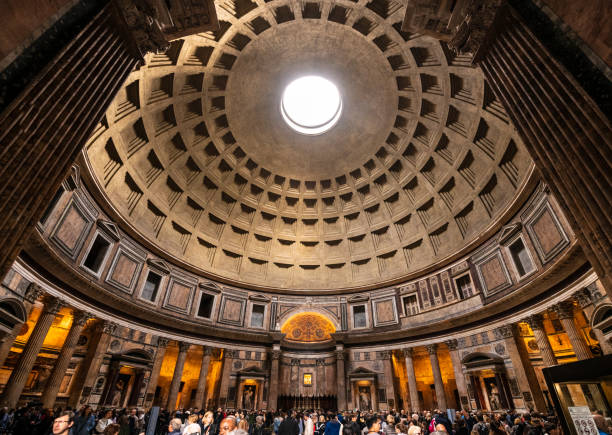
22, 370
274, 379
459, 378
33, 292
176, 376
61, 364
198, 401
565, 312
412, 385
162, 343
340, 378
437, 375
228, 359
536, 323
89, 369
388, 371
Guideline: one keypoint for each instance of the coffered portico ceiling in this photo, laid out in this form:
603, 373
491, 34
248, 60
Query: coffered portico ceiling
195, 157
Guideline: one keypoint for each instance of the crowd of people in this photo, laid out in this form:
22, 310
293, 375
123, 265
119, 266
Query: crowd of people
34, 420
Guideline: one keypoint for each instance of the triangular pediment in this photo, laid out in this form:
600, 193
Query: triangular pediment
209, 285
110, 229
361, 371
508, 231
252, 370
73, 181
159, 265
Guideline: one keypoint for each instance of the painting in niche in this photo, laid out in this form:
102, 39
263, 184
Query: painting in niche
493, 393
364, 398
308, 327
307, 379
248, 397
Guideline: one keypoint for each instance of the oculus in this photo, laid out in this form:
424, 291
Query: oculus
311, 105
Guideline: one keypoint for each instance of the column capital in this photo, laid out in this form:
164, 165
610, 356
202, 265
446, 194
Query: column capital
207, 350
52, 305
228, 353
452, 344
386, 354
564, 310
33, 292
408, 352
109, 327
504, 331
535, 321
583, 297
80, 318
162, 342
432, 348
183, 346
275, 355
339, 355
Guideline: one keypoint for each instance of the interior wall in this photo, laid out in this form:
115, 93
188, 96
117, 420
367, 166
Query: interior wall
590, 20
22, 21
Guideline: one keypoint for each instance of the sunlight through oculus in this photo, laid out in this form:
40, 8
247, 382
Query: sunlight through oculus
311, 105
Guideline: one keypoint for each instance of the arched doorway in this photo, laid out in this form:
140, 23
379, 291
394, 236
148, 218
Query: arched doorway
12, 313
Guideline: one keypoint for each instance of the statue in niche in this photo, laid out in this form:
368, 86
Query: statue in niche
493, 392
364, 398
248, 397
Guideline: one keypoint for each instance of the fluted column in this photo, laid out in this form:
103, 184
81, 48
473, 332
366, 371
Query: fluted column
274, 374
459, 378
565, 311
536, 323
22, 370
177, 375
437, 375
388, 370
87, 372
33, 292
412, 385
61, 364
228, 358
201, 389
340, 381
162, 343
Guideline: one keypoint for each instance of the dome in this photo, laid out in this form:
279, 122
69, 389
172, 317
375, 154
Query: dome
196, 161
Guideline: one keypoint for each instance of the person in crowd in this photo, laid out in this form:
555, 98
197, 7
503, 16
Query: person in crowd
289, 425
373, 425
63, 423
191, 425
174, 427
278, 418
111, 429
389, 426
104, 421
319, 428
84, 422
206, 423
308, 425
227, 426
333, 426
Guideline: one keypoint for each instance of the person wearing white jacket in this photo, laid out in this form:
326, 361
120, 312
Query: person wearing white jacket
308, 425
